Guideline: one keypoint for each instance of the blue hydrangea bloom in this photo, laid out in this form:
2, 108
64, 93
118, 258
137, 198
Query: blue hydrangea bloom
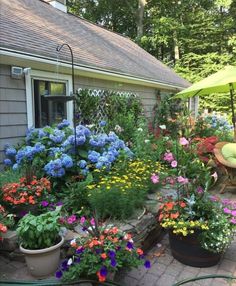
57, 136
15, 167
82, 164
102, 123
93, 156
7, 162
10, 151
64, 123
67, 161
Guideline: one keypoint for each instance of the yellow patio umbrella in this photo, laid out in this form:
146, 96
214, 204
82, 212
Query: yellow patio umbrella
222, 81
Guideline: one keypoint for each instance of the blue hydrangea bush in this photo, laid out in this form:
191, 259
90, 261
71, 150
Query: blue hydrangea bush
56, 151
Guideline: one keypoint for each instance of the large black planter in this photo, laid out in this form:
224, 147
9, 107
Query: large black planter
187, 250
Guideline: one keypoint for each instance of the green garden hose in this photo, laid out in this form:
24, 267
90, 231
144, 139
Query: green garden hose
204, 277
52, 283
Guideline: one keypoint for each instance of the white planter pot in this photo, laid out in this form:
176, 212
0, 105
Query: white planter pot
42, 262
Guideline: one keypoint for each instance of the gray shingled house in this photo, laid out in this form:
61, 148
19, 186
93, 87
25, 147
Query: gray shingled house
30, 31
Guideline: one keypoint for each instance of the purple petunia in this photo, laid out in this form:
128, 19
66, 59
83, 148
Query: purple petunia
44, 203
113, 263
103, 271
59, 274
111, 254
147, 264
130, 245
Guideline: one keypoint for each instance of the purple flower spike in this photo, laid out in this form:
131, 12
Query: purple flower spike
59, 274
147, 264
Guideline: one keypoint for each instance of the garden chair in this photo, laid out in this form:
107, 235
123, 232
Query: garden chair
225, 153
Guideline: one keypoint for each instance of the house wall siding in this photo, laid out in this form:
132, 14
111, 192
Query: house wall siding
13, 111
13, 117
146, 94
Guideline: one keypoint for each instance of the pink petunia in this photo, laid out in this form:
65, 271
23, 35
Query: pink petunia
183, 141
200, 190
233, 213
182, 180
227, 211
174, 164
71, 219
92, 221
155, 178
233, 220
168, 156
82, 220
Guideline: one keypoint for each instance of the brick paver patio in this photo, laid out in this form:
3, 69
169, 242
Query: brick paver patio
165, 270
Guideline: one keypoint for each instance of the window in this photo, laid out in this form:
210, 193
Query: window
48, 111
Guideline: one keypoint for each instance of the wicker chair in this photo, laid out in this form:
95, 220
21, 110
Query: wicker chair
228, 167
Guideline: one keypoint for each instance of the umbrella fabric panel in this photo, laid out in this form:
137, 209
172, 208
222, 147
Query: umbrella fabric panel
218, 82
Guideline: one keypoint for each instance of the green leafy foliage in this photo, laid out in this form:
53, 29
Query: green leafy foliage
38, 232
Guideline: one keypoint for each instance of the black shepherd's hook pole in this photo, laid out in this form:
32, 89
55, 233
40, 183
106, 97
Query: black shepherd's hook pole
59, 47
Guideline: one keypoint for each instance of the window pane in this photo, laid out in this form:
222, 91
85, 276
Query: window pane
48, 112
57, 88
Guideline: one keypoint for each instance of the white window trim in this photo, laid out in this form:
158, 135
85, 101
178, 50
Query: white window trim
48, 76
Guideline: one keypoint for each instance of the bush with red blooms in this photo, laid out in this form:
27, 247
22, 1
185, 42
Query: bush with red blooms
24, 192
6, 220
102, 250
205, 147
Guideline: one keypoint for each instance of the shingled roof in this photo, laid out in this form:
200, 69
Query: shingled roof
35, 27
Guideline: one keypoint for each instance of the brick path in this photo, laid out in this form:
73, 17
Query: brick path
165, 270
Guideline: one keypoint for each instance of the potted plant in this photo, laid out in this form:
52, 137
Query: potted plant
40, 241
101, 251
201, 226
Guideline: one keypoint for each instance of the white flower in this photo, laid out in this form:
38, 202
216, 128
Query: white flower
147, 141
140, 129
73, 241
70, 261
162, 126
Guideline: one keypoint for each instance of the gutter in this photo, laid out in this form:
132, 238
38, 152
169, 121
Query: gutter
83, 69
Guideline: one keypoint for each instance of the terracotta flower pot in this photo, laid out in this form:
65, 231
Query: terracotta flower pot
42, 262
187, 250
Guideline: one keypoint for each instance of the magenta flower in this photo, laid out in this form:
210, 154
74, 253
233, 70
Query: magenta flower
183, 141
92, 221
233, 213
155, 178
199, 190
182, 180
168, 156
71, 219
82, 220
227, 211
233, 220
174, 164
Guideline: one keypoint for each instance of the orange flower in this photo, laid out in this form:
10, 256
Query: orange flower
139, 251
103, 255
169, 206
175, 215
100, 277
182, 204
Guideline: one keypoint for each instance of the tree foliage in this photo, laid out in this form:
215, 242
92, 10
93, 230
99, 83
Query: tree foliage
195, 37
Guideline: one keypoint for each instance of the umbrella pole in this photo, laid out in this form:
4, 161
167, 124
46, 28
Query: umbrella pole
232, 107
